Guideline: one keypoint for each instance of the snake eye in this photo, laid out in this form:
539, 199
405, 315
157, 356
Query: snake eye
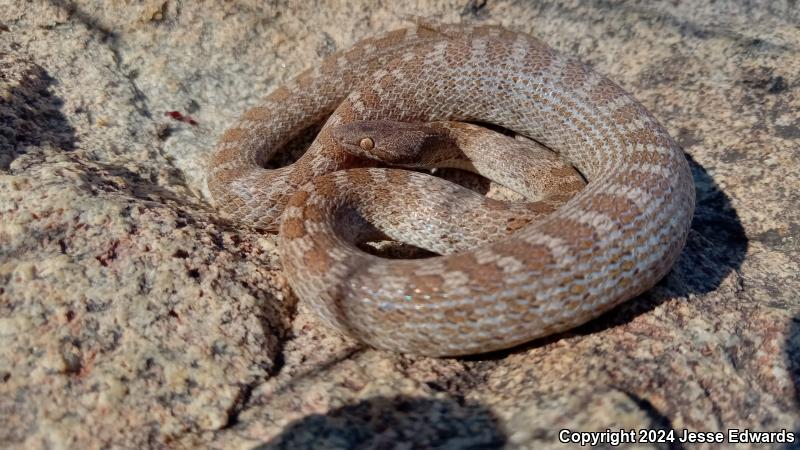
366, 143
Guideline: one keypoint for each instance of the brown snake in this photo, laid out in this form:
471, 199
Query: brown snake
512, 279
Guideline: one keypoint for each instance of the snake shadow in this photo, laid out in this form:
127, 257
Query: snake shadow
394, 422
716, 247
30, 114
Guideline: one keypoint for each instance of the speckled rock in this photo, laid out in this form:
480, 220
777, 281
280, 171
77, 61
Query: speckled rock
132, 315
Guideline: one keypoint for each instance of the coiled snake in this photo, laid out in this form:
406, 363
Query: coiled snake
503, 278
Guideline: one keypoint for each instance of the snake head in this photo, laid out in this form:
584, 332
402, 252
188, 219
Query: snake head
391, 142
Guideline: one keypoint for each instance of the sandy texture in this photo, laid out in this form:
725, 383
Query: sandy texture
132, 315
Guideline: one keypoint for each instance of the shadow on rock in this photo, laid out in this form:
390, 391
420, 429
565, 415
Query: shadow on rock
717, 243
30, 115
394, 422
793, 358
105, 177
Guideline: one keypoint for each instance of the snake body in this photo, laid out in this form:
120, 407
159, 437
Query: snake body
509, 281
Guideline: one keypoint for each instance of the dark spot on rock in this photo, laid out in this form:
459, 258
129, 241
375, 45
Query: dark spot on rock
70, 315
666, 71
180, 253
687, 138
476, 9
194, 273
778, 85
110, 255
764, 79
327, 46
219, 240
173, 314
771, 237
93, 305
72, 362
111, 340
689, 29
733, 155
164, 131
193, 106
218, 348
794, 230
788, 131
435, 386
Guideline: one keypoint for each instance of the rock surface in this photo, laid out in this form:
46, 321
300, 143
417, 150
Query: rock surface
131, 315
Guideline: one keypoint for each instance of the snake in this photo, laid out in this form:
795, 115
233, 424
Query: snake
502, 273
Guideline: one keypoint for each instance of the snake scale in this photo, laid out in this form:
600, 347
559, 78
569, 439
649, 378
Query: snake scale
500, 280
